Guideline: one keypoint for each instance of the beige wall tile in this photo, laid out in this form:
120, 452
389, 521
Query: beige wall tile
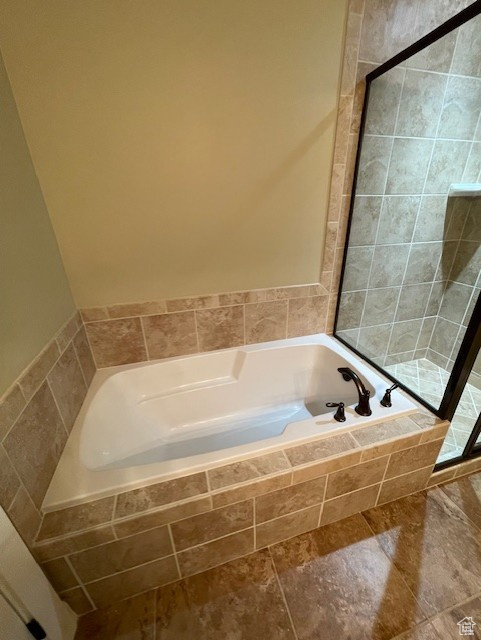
307, 316
160, 494
468, 467
116, 342
251, 490
11, 405
68, 331
390, 447
9, 482
195, 302
25, 516
37, 371
92, 314
220, 328
170, 334
287, 526
404, 485
77, 600
322, 468
435, 433
162, 516
123, 585
84, 355
353, 478
348, 504
68, 386
214, 524
294, 498
136, 309
122, 554
77, 542
266, 321
35, 443
83, 516
246, 470
59, 574
216, 553
414, 458
325, 448
385, 430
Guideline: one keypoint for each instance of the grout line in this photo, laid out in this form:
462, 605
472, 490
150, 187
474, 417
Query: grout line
383, 477
142, 328
174, 550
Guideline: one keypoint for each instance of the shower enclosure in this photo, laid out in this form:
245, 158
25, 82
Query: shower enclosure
409, 297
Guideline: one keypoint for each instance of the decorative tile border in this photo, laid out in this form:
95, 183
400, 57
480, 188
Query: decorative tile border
36, 416
127, 333
109, 549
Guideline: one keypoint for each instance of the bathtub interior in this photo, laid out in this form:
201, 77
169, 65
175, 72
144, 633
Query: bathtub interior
190, 406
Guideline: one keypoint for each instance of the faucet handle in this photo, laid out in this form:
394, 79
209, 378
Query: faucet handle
340, 416
386, 401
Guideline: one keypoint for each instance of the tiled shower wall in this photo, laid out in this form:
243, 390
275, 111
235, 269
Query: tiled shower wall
37, 414
422, 134
377, 30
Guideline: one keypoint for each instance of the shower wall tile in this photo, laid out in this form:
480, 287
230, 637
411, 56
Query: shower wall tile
413, 301
367, 210
447, 165
455, 302
385, 93
350, 309
423, 262
373, 165
436, 57
467, 263
37, 372
220, 328
408, 166
467, 58
380, 306
461, 108
116, 342
170, 334
421, 103
398, 216
388, 265
404, 336
444, 336
433, 219
358, 266
426, 333
373, 341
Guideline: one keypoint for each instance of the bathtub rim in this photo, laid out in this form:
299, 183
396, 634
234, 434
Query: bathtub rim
64, 490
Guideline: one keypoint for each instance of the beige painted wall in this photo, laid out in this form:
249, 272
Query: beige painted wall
183, 147
35, 299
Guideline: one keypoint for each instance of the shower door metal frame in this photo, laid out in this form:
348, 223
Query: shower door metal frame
471, 343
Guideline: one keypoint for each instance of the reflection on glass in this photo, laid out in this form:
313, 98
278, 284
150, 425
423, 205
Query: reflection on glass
413, 263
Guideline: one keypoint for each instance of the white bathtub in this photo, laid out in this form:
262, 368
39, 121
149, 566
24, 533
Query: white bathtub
157, 420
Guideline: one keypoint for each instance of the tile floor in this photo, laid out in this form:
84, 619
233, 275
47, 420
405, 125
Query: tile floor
429, 381
409, 569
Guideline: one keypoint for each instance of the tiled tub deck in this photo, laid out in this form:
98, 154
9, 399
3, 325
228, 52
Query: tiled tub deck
109, 549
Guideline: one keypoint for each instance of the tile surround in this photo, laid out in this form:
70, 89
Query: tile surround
193, 523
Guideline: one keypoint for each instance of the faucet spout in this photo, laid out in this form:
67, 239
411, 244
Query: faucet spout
363, 408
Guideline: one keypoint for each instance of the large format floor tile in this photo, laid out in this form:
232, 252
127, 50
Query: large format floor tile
433, 544
408, 570
340, 584
241, 599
